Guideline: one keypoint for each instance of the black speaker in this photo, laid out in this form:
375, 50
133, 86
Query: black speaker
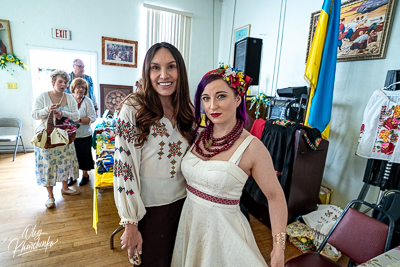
248, 57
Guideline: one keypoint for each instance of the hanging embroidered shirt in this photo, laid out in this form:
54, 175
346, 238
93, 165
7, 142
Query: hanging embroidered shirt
379, 134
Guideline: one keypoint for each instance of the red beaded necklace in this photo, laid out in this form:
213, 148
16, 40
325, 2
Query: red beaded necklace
220, 144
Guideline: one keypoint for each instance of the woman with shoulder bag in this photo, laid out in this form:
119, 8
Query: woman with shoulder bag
83, 140
58, 163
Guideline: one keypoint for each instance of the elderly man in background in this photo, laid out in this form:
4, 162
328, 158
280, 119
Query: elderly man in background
79, 69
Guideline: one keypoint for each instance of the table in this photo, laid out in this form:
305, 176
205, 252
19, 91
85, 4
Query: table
390, 258
103, 144
104, 180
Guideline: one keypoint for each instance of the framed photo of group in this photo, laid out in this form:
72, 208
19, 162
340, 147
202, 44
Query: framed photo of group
364, 29
119, 52
112, 95
5, 37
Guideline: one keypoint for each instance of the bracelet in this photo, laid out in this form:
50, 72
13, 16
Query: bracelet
128, 222
280, 238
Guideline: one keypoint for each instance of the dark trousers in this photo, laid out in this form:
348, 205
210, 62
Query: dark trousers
83, 148
158, 228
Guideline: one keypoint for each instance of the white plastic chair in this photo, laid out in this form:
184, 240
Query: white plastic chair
12, 123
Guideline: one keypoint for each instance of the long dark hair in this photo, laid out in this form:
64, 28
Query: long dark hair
148, 103
207, 79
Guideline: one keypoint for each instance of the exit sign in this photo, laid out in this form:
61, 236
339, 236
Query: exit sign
61, 34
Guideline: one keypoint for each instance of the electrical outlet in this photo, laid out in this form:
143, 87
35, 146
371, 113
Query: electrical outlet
12, 86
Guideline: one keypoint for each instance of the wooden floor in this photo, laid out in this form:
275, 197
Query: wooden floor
69, 224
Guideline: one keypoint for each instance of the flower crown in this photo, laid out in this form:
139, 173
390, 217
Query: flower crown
235, 78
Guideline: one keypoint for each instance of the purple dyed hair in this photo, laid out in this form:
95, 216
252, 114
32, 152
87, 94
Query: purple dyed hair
240, 111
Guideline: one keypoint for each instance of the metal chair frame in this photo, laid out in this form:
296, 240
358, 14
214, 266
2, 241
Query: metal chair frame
348, 206
391, 224
12, 123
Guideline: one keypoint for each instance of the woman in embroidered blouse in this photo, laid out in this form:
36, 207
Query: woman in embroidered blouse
212, 229
58, 163
83, 139
154, 131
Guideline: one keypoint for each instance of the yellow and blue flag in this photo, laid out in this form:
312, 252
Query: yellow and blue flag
321, 67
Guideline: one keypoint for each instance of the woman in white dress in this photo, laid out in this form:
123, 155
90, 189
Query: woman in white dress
83, 139
58, 163
212, 230
154, 131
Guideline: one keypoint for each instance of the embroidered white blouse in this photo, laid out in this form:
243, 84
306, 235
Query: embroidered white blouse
379, 134
86, 110
150, 175
43, 101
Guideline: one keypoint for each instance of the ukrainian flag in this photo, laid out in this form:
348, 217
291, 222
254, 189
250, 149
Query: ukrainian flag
321, 67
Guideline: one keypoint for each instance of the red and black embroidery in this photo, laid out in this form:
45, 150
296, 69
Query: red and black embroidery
211, 198
175, 149
161, 150
130, 192
123, 169
125, 130
159, 129
120, 189
121, 149
173, 168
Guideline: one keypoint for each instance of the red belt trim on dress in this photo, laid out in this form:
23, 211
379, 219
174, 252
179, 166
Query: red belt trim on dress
208, 197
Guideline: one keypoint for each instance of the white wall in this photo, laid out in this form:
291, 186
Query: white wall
31, 23
354, 84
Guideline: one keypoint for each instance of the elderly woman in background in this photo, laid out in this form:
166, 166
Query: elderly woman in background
58, 163
83, 139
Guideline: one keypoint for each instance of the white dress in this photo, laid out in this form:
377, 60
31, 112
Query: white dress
212, 229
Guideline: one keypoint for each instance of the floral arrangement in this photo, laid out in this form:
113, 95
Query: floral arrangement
234, 77
258, 100
11, 58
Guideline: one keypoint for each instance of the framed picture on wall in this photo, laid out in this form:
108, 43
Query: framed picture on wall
5, 37
119, 52
364, 29
239, 34
112, 95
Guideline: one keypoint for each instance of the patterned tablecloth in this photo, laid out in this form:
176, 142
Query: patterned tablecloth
387, 259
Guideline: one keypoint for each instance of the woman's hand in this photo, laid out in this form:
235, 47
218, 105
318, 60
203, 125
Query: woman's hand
52, 107
58, 114
277, 257
131, 239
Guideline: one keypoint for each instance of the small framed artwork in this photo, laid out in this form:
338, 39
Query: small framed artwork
119, 52
112, 95
364, 29
239, 34
5, 37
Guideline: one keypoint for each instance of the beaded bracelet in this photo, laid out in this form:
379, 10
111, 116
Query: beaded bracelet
280, 238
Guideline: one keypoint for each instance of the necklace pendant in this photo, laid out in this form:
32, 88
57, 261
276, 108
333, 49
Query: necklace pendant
208, 143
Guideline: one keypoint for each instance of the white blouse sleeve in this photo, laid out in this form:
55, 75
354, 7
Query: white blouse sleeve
73, 114
127, 160
40, 110
90, 112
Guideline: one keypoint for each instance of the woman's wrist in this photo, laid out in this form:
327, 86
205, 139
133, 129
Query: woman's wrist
280, 240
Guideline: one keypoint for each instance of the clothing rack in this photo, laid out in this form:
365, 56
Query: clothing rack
392, 78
